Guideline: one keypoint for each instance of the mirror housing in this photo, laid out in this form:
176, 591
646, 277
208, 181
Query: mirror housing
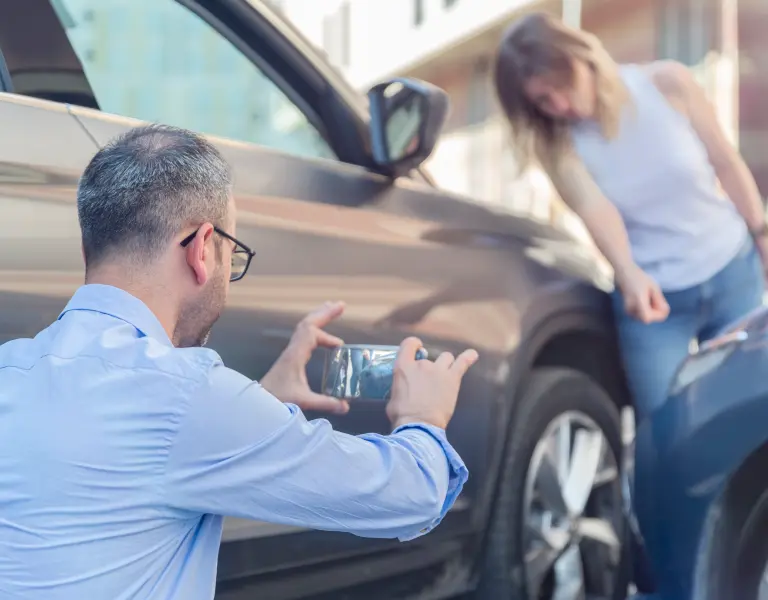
407, 116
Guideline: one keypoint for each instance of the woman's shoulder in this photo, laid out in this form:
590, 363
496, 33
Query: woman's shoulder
674, 80
670, 76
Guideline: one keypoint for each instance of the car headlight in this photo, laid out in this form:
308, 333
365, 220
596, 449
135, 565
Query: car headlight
710, 356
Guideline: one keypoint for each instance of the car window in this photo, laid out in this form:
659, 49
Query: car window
156, 60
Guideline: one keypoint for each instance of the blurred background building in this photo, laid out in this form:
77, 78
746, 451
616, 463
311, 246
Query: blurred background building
451, 43
185, 67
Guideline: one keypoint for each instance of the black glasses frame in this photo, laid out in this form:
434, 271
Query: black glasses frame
240, 248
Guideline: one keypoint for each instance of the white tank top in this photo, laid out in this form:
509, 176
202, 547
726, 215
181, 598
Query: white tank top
681, 228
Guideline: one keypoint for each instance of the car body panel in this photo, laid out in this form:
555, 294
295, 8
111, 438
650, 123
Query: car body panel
688, 451
407, 258
40, 257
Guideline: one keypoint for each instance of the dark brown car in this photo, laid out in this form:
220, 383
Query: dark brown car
331, 197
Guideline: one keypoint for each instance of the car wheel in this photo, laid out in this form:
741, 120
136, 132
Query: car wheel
746, 573
558, 529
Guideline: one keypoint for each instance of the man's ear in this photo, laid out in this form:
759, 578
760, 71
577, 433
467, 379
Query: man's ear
199, 250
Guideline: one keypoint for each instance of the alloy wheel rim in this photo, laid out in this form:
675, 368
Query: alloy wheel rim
571, 512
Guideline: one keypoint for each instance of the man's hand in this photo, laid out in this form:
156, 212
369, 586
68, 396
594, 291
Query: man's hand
287, 379
424, 391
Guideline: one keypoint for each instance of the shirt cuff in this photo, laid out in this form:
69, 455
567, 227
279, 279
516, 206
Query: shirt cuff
457, 470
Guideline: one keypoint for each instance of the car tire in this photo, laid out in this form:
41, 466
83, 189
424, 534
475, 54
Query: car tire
551, 396
741, 571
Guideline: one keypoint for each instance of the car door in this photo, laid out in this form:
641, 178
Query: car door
405, 257
40, 261
42, 154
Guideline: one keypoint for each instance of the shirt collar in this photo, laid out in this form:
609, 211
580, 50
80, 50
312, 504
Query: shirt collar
117, 303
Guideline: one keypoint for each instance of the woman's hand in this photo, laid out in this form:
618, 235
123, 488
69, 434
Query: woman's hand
643, 298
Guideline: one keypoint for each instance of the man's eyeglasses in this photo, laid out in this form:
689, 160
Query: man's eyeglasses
241, 255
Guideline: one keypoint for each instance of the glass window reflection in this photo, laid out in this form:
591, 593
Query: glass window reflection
157, 61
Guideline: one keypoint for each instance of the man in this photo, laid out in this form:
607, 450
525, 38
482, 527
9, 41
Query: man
123, 441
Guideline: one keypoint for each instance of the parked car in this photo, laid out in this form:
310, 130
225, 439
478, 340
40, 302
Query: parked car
695, 483
333, 212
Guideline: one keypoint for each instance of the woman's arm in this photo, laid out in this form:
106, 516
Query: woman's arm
581, 194
677, 83
642, 296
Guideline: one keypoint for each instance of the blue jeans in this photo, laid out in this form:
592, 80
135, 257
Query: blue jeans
652, 353
356, 358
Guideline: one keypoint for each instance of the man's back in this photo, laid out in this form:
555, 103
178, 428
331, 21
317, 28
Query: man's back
88, 410
116, 448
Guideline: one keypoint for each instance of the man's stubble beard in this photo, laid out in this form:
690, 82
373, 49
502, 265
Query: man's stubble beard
196, 318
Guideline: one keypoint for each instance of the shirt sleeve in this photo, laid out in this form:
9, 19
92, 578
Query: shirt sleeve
241, 452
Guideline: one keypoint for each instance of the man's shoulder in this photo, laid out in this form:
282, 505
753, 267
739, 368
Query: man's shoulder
17, 352
149, 354
117, 347
189, 363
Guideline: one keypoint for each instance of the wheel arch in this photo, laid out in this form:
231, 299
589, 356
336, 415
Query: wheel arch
725, 518
579, 339
747, 482
582, 340
594, 353
576, 341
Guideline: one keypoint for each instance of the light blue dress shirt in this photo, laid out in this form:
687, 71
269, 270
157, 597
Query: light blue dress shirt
119, 454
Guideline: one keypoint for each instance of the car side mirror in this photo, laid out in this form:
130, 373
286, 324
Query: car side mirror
407, 116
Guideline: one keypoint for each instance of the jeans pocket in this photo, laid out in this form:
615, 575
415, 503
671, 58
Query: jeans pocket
750, 256
748, 250
744, 274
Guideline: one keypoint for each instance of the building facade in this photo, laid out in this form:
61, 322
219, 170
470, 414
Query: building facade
451, 43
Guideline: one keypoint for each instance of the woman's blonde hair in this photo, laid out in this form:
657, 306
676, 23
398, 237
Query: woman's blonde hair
540, 44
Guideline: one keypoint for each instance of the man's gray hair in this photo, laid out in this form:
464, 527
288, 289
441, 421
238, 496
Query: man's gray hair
146, 186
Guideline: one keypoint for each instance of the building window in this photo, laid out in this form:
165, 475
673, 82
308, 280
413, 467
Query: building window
685, 31
336, 32
479, 96
344, 26
418, 12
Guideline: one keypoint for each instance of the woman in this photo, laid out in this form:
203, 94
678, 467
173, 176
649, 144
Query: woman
636, 151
